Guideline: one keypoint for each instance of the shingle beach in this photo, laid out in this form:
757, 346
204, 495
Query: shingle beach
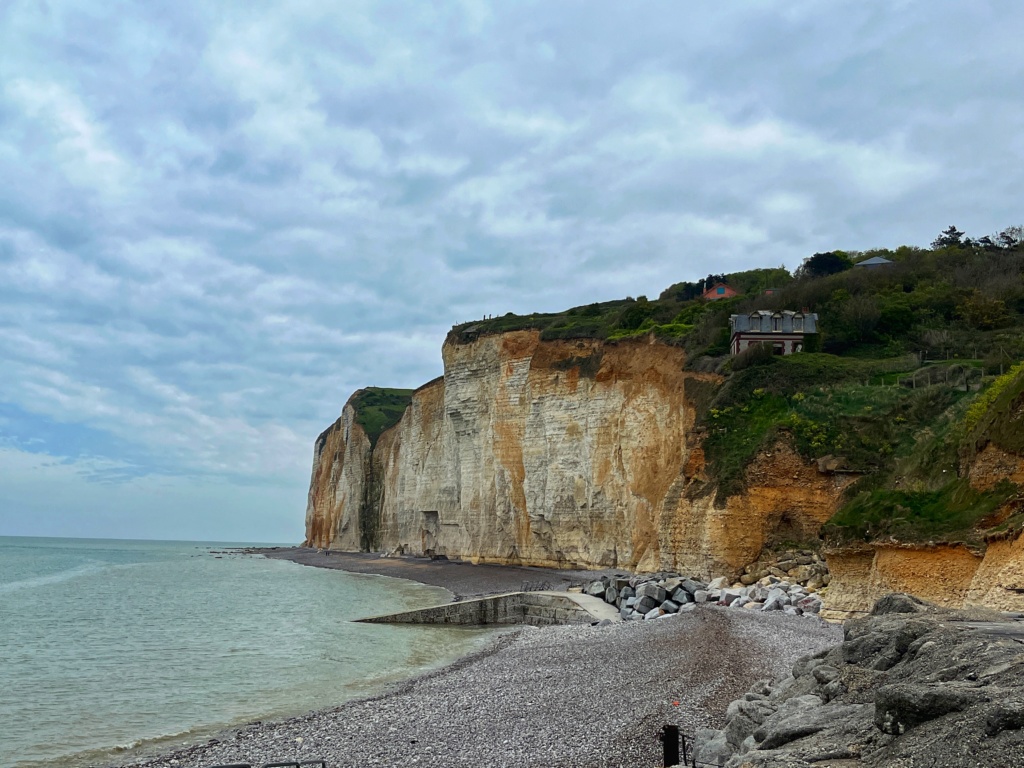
552, 696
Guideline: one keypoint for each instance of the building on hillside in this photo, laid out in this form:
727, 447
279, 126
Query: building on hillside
720, 291
785, 330
875, 262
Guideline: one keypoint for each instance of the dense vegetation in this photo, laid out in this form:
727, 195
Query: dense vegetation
378, 409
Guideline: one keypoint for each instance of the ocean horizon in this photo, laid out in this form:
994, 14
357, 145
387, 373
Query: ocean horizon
111, 648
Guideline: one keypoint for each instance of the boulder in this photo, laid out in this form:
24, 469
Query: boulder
803, 722
627, 591
776, 600
654, 613
729, 596
901, 706
743, 718
611, 594
810, 604
671, 585
720, 583
670, 607
681, 596
652, 590
1004, 716
700, 596
710, 747
692, 586
898, 602
646, 603
596, 589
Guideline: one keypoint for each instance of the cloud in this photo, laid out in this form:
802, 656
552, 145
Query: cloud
215, 223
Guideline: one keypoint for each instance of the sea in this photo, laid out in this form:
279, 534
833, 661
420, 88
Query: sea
112, 649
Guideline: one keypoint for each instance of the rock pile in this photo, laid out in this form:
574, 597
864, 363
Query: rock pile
911, 685
798, 566
654, 596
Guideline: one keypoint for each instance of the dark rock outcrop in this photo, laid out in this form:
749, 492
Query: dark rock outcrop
911, 685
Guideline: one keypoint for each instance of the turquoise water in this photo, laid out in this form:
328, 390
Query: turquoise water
108, 646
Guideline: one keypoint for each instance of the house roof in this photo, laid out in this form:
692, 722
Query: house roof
874, 261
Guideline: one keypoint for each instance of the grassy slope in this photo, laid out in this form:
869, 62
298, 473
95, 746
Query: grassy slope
378, 409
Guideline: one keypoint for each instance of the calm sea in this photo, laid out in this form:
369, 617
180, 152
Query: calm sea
109, 647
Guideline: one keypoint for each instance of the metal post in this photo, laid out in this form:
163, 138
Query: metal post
670, 745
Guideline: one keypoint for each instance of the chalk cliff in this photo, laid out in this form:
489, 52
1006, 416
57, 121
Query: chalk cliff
557, 453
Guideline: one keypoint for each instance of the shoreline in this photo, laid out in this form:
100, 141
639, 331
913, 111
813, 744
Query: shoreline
462, 579
557, 696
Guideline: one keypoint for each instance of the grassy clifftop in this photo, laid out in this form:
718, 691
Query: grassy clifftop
378, 409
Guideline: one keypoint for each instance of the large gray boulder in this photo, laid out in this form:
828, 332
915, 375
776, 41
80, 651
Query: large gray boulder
902, 706
652, 590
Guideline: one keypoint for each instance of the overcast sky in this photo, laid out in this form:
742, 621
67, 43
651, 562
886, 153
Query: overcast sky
219, 219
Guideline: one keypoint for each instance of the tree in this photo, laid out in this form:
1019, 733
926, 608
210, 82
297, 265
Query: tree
1011, 237
951, 237
821, 264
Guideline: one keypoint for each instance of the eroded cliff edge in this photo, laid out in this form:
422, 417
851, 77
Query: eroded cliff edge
558, 453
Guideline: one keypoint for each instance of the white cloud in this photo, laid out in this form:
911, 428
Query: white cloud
214, 225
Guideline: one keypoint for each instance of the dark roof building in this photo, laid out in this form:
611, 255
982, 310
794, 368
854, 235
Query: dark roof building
784, 330
874, 263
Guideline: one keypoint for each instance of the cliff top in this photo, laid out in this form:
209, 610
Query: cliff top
379, 408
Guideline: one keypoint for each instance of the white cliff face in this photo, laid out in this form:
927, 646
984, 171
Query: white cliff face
548, 453
337, 485
563, 453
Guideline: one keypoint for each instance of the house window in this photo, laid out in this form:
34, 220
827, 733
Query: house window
779, 348
776, 322
720, 291
798, 323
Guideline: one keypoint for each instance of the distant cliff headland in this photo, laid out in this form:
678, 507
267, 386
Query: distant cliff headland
870, 406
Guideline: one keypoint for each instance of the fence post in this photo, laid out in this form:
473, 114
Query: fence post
670, 745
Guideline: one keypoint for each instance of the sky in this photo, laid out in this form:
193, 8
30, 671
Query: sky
218, 220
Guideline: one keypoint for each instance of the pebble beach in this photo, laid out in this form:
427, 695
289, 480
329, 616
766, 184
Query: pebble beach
551, 696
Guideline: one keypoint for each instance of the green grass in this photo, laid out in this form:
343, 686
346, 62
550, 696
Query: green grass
378, 409
952, 512
821, 404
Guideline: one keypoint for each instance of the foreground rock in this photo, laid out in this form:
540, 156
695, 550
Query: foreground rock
912, 685
556, 696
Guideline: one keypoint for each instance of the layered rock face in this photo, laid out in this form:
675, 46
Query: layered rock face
950, 575
557, 453
338, 485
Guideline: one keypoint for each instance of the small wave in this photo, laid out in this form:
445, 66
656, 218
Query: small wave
126, 747
89, 567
